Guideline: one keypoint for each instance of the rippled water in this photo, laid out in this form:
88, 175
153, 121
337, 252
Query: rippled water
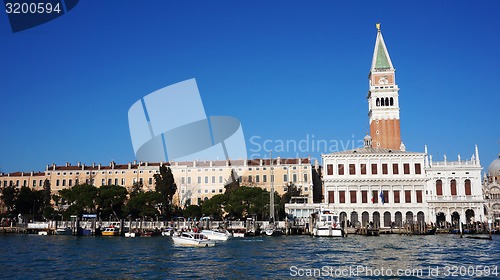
35, 257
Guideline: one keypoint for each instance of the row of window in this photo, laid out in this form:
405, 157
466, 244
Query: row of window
285, 178
384, 101
453, 187
376, 196
353, 169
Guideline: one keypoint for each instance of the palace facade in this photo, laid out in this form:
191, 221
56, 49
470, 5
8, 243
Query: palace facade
382, 183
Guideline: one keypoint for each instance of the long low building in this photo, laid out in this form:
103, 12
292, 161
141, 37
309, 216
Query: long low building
196, 181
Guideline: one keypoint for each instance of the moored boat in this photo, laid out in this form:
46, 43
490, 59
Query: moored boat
326, 224
111, 231
64, 231
193, 239
217, 234
239, 232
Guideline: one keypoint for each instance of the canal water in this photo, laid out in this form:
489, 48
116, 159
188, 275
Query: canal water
286, 257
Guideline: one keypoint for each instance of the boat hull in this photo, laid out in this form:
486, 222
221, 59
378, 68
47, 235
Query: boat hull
194, 243
328, 232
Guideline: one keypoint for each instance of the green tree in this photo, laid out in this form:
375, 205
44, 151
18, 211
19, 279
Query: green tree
214, 206
46, 193
165, 185
9, 197
111, 200
143, 204
192, 211
82, 198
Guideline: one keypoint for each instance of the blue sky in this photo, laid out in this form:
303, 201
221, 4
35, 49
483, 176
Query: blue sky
288, 70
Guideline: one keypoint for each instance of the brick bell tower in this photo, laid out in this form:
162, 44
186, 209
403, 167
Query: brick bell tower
383, 102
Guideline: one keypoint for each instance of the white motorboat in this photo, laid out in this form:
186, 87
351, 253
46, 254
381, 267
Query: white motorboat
239, 232
222, 235
43, 232
132, 234
327, 224
193, 239
64, 231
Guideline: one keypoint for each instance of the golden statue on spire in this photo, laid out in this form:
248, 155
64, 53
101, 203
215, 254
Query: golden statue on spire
378, 26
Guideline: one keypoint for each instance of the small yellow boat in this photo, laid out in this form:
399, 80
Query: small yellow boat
111, 231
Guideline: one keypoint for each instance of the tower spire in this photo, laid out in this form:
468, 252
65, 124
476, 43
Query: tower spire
383, 99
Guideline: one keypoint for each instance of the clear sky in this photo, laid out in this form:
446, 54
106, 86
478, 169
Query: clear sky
290, 71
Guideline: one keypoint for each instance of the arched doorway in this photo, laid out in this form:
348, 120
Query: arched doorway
398, 217
469, 216
354, 218
376, 219
365, 218
420, 218
455, 219
409, 217
343, 216
441, 220
387, 219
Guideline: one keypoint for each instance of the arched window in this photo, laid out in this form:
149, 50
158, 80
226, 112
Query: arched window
453, 187
391, 101
378, 102
382, 102
439, 187
468, 190
387, 101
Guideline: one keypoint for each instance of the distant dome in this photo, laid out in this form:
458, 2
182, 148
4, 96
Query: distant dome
494, 169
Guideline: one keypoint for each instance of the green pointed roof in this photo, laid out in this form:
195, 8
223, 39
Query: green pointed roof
381, 59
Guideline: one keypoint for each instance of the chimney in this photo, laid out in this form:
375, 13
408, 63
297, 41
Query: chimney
47, 167
135, 161
194, 163
67, 164
83, 166
210, 163
260, 162
93, 164
99, 166
278, 160
53, 166
129, 165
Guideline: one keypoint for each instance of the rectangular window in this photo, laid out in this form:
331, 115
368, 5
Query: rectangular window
329, 169
285, 177
385, 194
384, 168
213, 179
396, 196
453, 187
250, 178
353, 196
34, 183
123, 181
374, 168
206, 179
468, 189
199, 180
352, 169
264, 178
182, 180
305, 177
407, 196
341, 169
220, 179
406, 167
363, 169
70, 182
418, 168
341, 196
439, 187
64, 182
395, 168
189, 180
331, 197
419, 196
294, 176
374, 196
364, 196
257, 178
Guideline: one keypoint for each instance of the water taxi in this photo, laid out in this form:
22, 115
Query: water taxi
64, 231
326, 223
193, 239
